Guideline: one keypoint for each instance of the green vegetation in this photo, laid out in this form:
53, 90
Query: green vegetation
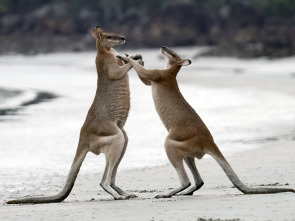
245, 28
21, 6
284, 8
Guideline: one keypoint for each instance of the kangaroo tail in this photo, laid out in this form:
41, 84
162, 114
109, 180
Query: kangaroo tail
79, 158
217, 155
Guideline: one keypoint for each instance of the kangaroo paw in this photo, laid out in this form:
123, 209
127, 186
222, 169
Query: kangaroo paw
136, 57
123, 58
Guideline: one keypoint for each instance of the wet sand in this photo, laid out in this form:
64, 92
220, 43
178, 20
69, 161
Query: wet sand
40, 97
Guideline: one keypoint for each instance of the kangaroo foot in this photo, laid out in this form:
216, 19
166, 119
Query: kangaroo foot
122, 197
162, 196
131, 196
192, 190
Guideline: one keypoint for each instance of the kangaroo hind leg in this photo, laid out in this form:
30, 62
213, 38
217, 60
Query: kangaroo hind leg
177, 163
113, 185
113, 157
190, 161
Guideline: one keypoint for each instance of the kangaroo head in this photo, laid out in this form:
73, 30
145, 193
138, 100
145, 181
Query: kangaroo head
173, 59
107, 39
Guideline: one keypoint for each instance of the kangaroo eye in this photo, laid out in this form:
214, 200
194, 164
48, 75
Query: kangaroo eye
173, 55
109, 37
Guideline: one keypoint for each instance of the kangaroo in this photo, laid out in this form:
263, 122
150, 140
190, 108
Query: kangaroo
102, 131
188, 137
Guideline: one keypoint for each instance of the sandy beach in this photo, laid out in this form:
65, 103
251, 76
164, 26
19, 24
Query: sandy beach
216, 199
271, 162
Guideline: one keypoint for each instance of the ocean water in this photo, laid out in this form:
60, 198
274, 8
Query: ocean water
37, 145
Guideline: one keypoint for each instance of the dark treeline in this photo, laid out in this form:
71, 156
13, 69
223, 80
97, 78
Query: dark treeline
244, 28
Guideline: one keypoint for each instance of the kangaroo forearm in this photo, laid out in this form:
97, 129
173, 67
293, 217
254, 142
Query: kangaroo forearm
149, 74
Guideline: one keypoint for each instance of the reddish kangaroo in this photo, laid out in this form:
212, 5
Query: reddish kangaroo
102, 131
188, 135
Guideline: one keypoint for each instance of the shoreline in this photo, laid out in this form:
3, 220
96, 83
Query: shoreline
41, 96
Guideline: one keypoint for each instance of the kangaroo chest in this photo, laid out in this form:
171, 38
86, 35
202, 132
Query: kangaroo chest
112, 100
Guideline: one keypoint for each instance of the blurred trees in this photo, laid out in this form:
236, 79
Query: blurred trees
285, 8
244, 28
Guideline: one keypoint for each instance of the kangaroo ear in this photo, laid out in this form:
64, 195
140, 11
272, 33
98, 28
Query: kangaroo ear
97, 32
185, 62
99, 29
